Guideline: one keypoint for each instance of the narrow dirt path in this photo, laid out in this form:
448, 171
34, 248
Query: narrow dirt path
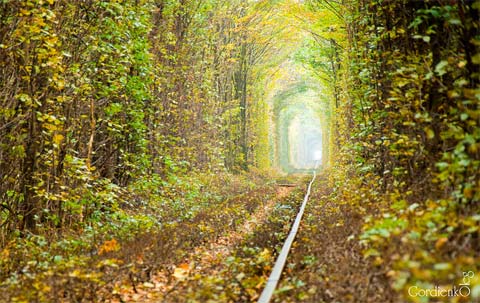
205, 260
217, 251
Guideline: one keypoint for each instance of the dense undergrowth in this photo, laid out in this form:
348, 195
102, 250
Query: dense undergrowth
131, 241
405, 96
408, 144
122, 122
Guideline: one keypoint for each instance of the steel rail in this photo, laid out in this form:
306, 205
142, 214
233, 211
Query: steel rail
274, 277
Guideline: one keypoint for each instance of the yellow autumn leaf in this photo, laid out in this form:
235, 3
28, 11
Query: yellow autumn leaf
50, 126
429, 133
60, 84
24, 12
468, 192
57, 139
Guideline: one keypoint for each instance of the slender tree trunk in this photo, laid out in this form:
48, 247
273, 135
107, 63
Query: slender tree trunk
28, 205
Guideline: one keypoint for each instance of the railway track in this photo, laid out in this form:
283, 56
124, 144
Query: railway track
276, 273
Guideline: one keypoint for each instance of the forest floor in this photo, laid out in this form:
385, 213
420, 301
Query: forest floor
206, 260
222, 253
325, 265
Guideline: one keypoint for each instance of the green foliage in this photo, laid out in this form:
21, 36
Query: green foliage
120, 118
113, 92
408, 124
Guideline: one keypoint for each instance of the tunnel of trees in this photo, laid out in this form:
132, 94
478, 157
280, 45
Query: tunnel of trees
128, 127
